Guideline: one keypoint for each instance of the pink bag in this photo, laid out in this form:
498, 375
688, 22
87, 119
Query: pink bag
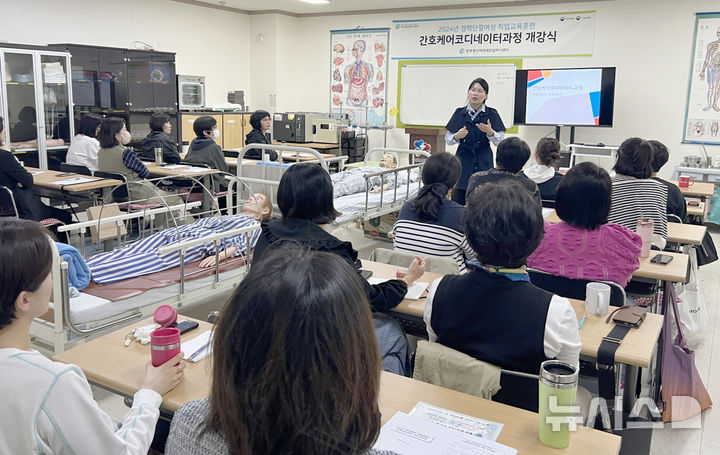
683, 391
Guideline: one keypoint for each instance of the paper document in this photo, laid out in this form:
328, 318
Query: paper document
415, 291
411, 435
457, 421
36, 172
546, 211
185, 168
204, 340
73, 181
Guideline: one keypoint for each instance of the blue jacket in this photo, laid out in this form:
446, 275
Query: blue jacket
474, 149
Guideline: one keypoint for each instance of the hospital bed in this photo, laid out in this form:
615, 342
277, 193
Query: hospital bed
73, 320
357, 207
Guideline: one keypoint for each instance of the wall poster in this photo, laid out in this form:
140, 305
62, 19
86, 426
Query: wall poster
358, 73
702, 114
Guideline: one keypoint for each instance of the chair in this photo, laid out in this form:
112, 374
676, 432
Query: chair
548, 203
573, 288
83, 170
7, 203
8, 207
434, 264
446, 367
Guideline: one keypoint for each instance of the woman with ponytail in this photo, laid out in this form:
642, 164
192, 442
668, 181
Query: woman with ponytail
635, 194
544, 171
431, 223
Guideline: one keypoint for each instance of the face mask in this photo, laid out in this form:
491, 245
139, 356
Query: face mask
216, 133
124, 138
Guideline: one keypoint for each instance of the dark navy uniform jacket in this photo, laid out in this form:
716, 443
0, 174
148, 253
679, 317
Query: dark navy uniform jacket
474, 149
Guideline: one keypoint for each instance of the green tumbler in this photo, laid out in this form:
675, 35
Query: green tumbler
556, 406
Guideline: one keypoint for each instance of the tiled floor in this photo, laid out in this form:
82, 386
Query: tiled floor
702, 441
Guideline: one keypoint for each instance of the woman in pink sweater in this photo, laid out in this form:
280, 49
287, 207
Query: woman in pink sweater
584, 245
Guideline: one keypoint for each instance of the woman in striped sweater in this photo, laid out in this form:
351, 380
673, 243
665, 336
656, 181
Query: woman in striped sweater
634, 194
431, 224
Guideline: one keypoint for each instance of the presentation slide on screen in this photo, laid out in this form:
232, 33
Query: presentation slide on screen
564, 97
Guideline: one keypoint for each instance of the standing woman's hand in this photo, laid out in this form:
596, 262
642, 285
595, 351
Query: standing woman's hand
461, 133
486, 128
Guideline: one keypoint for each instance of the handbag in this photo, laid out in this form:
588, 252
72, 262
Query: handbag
691, 304
683, 391
706, 252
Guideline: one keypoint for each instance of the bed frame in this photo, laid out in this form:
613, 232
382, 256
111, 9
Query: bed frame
56, 332
389, 200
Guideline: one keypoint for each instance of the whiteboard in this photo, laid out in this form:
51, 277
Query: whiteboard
430, 93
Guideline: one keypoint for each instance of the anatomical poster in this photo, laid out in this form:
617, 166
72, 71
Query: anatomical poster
358, 73
702, 115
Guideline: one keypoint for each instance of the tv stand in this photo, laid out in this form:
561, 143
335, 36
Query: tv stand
572, 133
592, 150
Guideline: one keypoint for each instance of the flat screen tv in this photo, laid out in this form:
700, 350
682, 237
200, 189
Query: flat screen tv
565, 96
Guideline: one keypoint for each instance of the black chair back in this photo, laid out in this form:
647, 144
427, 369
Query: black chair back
65, 167
573, 288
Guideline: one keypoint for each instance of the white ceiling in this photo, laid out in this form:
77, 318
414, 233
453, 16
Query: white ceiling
298, 7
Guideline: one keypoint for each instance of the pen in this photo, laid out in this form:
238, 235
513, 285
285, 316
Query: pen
198, 352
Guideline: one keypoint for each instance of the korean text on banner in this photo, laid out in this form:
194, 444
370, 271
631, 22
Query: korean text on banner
554, 34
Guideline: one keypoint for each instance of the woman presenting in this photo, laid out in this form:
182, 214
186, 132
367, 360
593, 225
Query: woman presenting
474, 126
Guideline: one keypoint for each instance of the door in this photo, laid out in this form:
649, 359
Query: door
21, 120
113, 79
57, 115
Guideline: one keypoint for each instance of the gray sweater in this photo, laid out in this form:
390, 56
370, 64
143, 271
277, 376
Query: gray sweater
188, 423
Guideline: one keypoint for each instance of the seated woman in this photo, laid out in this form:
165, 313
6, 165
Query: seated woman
204, 150
48, 406
83, 150
511, 155
352, 181
431, 224
160, 129
296, 367
142, 257
544, 171
261, 124
493, 312
15, 177
635, 195
676, 204
584, 245
115, 157
305, 200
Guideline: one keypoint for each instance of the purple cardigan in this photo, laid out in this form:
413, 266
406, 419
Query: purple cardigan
608, 253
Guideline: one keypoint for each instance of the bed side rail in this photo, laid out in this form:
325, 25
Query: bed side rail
183, 246
396, 171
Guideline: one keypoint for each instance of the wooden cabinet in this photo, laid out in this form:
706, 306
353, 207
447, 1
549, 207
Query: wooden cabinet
187, 120
232, 131
234, 126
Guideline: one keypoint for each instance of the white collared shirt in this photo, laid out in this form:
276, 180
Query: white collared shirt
83, 151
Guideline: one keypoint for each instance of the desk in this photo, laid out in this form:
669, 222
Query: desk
696, 210
48, 179
312, 145
686, 234
108, 364
702, 189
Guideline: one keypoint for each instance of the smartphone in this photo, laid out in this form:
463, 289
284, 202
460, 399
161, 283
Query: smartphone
186, 326
661, 259
366, 273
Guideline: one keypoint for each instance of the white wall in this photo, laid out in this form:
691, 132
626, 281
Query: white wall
649, 41
207, 42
